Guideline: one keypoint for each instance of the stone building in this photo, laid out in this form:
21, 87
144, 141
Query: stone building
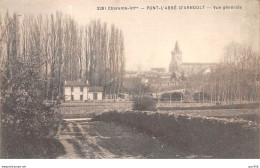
175, 64
178, 67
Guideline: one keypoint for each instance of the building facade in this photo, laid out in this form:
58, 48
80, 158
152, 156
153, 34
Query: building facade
81, 91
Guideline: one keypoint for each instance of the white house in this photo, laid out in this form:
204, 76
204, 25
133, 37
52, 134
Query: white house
81, 91
95, 93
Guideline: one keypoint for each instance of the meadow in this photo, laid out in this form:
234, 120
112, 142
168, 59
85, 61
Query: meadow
215, 132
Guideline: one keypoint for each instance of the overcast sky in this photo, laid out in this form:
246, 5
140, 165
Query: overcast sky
151, 35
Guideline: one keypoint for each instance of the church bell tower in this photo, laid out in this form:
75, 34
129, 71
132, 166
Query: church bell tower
175, 64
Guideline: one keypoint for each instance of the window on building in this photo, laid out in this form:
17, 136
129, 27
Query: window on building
72, 97
95, 96
81, 89
71, 88
81, 97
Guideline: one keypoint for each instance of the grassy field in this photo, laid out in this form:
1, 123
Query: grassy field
232, 114
90, 109
204, 106
248, 112
219, 133
210, 136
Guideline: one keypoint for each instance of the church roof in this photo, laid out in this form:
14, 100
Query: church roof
177, 48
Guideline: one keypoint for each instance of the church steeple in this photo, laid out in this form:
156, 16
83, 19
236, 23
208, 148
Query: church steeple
177, 48
175, 64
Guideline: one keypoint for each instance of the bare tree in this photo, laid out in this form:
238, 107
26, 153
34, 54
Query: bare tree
236, 76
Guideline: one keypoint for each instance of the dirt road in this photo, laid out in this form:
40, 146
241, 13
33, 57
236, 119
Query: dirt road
87, 139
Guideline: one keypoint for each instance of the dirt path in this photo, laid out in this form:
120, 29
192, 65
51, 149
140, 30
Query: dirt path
86, 139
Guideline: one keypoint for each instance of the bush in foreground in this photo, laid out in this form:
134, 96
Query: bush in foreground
144, 104
29, 121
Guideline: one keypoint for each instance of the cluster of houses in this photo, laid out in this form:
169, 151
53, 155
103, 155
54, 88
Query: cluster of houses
158, 79
174, 78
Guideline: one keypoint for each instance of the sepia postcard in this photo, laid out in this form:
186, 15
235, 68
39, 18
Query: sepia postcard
129, 79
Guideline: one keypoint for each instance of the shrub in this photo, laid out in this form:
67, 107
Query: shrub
28, 120
144, 104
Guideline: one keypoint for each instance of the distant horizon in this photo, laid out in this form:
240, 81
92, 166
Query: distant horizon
167, 69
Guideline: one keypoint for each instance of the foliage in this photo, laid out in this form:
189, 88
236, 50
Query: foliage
104, 56
27, 115
66, 50
235, 77
36, 55
24, 105
144, 104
